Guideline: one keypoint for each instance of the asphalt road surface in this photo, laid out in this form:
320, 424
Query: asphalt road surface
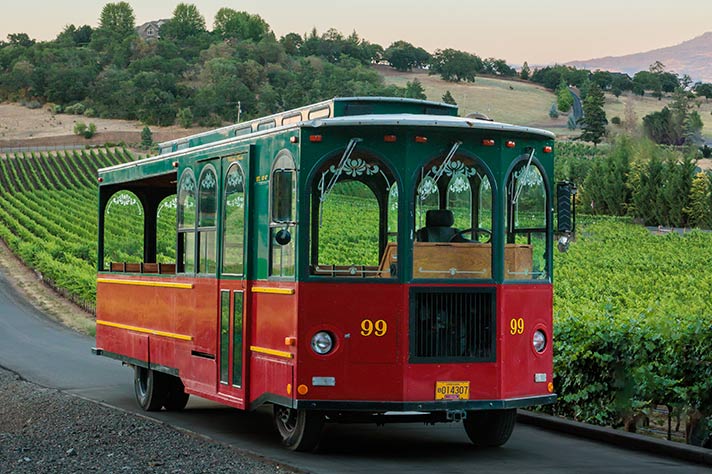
50, 355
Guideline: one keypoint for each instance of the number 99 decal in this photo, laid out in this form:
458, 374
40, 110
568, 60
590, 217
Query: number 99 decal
376, 328
516, 326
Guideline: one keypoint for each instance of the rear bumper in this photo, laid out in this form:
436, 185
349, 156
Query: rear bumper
425, 406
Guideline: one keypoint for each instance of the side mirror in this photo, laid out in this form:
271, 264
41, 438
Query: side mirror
283, 237
563, 244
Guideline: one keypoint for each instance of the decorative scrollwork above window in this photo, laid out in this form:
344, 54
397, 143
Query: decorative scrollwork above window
454, 167
125, 199
187, 184
235, 180
459, 184
208, 180
171, 203
357, 167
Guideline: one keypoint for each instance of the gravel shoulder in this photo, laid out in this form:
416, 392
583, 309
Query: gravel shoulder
46, 430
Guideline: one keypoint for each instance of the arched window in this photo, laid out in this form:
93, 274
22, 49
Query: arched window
207, 219
453, 220
526, 253
166, 234
186, 214
123, 230
234, 223
354, 218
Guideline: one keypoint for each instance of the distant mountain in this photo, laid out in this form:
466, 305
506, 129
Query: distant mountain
693, 57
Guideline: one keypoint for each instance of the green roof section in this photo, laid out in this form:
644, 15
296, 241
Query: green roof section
337, 107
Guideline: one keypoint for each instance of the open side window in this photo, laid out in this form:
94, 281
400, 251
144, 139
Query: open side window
526, 252
354, 217
453, 219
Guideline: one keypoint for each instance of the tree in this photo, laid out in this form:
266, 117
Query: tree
403, 56
703, 89
414, 90
571, 123
455, 66
699, 211
564, 99
146, 137
448, 98
593, 123
659, 127
186, 22
630, 118
525, 73
118, 20
554, 111
20, 39
231, 24
185, 117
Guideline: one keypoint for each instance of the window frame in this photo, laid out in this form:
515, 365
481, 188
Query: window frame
283, 161
237, 165
547, 230
180, 230
201, 230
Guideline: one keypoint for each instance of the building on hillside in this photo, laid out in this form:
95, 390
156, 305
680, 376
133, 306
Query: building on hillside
150, 30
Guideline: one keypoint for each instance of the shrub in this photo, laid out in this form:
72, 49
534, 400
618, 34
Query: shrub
76, 109
553, 111
616, 120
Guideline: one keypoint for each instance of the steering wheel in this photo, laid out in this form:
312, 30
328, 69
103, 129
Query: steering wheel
459, 236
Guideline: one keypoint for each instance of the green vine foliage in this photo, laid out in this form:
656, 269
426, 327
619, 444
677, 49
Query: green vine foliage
633, 322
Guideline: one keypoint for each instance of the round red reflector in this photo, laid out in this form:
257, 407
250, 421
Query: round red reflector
390, 139
293, 140
548, 149
510, 144
488, 142
315, 138
421, 139
101, 180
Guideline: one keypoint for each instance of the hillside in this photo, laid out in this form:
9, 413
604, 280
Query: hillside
24, 127
693, 57
525, 103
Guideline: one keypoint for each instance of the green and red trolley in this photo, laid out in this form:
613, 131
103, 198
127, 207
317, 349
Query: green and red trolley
357, 260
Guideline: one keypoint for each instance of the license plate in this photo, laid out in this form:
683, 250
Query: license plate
452, 390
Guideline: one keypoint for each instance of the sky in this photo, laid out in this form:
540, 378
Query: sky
537, 31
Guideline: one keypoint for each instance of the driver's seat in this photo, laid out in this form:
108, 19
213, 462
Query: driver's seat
438, 226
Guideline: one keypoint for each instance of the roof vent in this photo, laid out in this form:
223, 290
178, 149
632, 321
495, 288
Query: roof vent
479, 116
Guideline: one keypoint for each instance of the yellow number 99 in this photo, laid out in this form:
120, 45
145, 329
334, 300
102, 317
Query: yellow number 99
516, 326
366, 327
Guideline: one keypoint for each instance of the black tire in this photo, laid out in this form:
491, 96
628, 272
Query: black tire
300, 430
149, 388
176, 398
490, 428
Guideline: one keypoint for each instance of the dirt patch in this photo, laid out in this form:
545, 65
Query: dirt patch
29, 284
23, 127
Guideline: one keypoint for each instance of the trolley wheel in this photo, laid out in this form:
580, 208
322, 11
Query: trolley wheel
149, 388
490, 428
176, 398
300, 430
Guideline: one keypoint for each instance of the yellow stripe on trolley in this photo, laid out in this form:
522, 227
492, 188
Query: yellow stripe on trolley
264, 350
158, 284
273, 291
145, 330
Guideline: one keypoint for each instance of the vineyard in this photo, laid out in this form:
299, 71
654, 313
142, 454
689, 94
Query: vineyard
633, 311
48, 208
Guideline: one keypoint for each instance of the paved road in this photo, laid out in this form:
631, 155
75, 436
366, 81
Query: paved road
48, 354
